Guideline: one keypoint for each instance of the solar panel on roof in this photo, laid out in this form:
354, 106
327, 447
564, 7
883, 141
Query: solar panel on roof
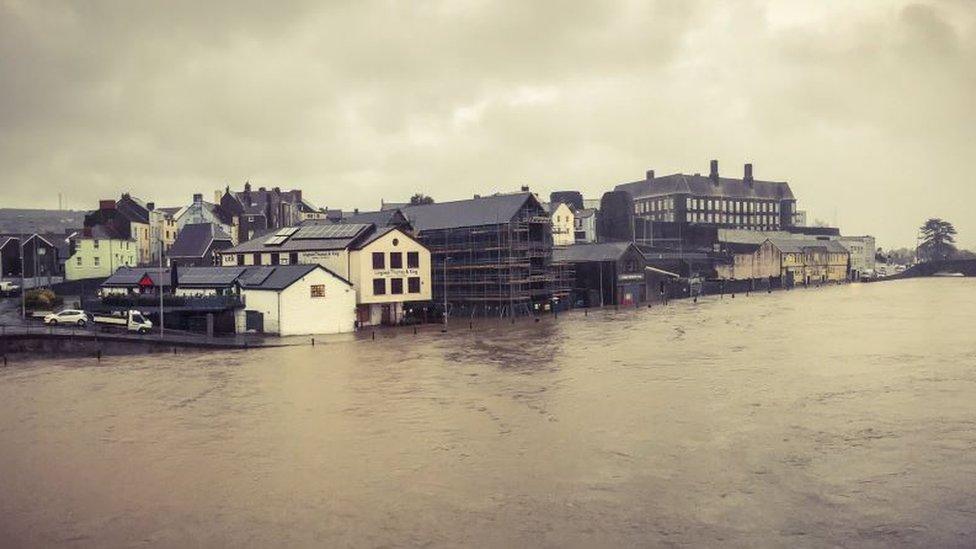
328, 231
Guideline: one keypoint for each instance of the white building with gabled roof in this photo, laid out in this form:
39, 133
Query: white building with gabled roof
389, 269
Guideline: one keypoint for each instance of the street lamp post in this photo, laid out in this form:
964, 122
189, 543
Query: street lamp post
23, 281
161, 329
446, 259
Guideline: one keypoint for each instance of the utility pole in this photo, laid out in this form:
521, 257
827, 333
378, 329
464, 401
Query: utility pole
446, 259
601, 283
23, 281
161, 329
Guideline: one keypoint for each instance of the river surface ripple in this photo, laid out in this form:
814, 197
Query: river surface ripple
820, 417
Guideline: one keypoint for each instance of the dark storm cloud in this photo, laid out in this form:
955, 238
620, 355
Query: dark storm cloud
860, 107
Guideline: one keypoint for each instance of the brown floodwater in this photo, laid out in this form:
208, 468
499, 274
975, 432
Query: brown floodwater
819, 417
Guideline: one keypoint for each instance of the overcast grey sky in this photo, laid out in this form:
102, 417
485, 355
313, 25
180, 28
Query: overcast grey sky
867, 108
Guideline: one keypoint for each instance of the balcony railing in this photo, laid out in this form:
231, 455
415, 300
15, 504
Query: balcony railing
206, 302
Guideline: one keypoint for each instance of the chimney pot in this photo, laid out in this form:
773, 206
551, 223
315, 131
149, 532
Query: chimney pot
713, 173
650, 174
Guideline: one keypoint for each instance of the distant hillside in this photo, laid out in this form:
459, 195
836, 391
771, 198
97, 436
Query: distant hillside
15, 220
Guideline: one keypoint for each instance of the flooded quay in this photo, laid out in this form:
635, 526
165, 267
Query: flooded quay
833, 416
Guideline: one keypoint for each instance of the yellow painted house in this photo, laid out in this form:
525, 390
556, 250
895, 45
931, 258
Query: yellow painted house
99, 257
797, 261
812, 261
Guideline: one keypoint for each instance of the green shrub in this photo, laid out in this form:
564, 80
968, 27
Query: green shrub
42, 299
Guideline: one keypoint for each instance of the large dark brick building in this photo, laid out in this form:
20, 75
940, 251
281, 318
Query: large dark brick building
724, 202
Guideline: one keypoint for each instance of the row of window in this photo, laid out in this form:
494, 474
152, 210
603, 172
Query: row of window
732, 206
396, 285
275, 258
396, 260
714, 204
124, 245
743, 219
655, 205
97, 261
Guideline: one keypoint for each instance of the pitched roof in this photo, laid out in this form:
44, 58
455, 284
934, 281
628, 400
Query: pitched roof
130, 276
306, 238
699, 185
279, 277
4, 240
170, 211
583, 253
473, 212
207, 277
381, 218
381, 231
585, 212
103, 230
132, 208
797, 245
195, 239
255, 278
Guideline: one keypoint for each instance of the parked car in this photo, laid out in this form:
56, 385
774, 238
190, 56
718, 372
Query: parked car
68, 316
8, 288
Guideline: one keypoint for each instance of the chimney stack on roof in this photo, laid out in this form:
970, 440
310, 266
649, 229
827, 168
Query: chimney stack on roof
713, 174
525, 188
650, 175
748, 174
106, 204
150, 206
197, 198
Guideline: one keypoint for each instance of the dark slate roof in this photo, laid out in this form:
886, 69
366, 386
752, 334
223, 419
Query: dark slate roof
170, 211
208, 277
583, 253
382, 231
130, 276
380, 218
585, 212
279, 277
103, 230
133, 209
255, 278
700, 185
4, 240
299, 243
789, 245
195, 239
473, 212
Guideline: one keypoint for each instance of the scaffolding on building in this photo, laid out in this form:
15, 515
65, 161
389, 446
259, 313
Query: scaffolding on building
503, 269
